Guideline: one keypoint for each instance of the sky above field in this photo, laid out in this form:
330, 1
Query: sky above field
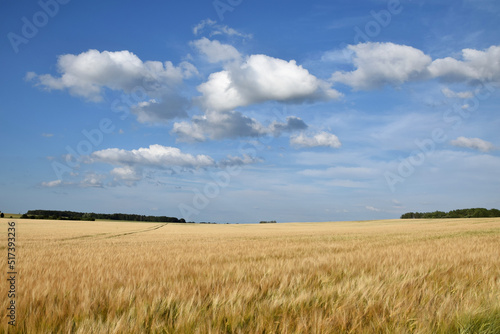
241, 111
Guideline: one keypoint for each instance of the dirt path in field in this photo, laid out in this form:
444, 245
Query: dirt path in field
112, 235
139, 231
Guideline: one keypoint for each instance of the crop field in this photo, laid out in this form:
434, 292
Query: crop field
391, 276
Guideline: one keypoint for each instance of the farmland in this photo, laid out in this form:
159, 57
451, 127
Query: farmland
400, 276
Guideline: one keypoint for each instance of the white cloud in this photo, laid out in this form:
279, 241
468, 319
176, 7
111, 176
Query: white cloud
378, 64
324, 139
127, 174
51, 184
190, 132
476, 65
231, 124
371, 208
218, 29
225, 30
451, 94
153, 156
200, 26
89, 73
93, 180
473, 143
215, 51
30, 76
218, 125
47, 135
132, 166
262, 78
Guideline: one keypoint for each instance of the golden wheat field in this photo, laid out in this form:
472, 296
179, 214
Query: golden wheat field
391, 276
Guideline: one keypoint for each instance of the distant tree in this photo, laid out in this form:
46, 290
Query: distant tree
495, 213
88, 217
453, 214
480, 212
1, 215
461, 213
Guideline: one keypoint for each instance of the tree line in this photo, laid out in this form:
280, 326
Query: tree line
72, 215
461, 213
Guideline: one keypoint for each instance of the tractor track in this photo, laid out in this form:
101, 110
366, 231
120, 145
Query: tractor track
110, 235
139, 231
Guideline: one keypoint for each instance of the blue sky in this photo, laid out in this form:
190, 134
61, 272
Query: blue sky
241, 111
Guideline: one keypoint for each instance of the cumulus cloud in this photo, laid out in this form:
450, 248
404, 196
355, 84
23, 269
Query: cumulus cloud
292, 124
473, 143
218, 125
323, 139
231, 124
90, 73
476, 65
87, 73
215, 51
262, 78
128, 175
153, 156
132, 166
191, 132
379, 64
